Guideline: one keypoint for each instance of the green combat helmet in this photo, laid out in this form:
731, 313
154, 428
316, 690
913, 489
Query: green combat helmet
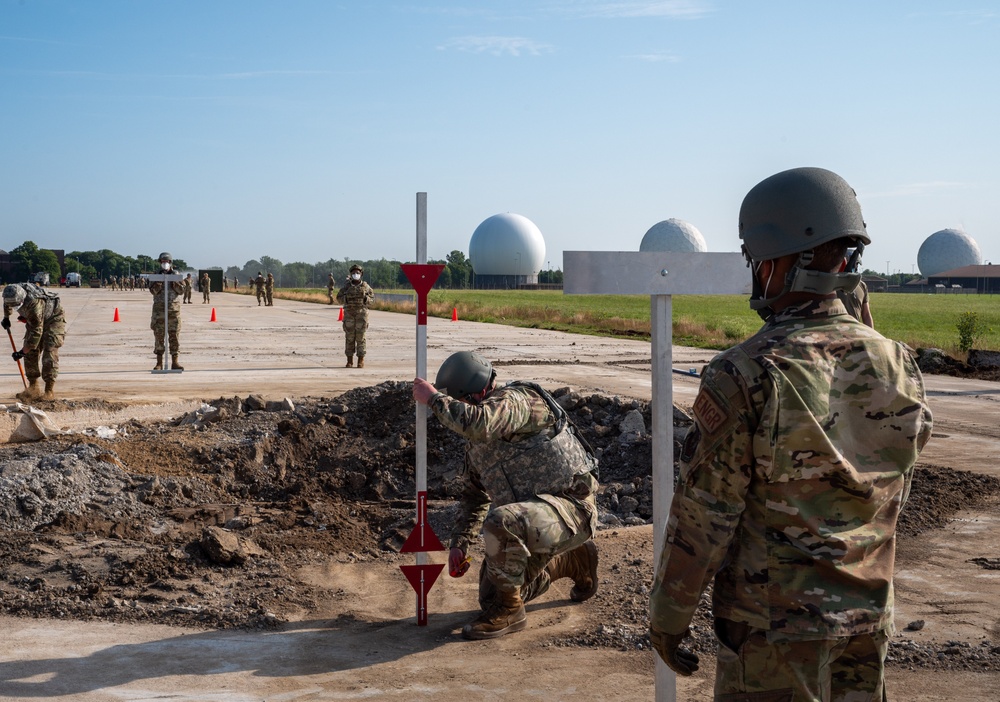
464, 374
793, 212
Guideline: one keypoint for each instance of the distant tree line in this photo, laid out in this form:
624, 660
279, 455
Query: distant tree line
27, 259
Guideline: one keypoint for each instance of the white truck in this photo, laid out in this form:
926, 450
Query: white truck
72, 280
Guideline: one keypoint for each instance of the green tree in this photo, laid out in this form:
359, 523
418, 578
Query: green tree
460, 270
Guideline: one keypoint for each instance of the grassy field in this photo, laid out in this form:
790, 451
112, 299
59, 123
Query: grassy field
715, 322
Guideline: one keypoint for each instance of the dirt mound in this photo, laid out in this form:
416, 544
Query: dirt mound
211, 520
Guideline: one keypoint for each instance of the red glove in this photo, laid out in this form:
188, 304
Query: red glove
458, 563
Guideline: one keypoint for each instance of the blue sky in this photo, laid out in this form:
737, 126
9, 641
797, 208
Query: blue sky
225, 130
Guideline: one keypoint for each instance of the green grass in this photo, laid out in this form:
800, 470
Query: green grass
706, 321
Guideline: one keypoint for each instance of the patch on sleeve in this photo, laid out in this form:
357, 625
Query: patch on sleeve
708, 412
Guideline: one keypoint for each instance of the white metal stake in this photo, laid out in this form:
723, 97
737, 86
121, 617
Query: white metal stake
420, 466
659, 275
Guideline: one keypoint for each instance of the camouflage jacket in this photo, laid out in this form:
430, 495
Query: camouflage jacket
39, 310
521, 446
174, 293
792, 480
269, 282
356, 298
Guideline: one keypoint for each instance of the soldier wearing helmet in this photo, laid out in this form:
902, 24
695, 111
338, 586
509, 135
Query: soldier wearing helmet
166, 323
356, 295
258, 283
331, 285
793, 476
530, 483
44, 333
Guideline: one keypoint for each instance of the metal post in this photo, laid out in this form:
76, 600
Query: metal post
661, 333
420, 466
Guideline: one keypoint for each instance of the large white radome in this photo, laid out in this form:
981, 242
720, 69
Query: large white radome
946, 250
507, 244
673, 235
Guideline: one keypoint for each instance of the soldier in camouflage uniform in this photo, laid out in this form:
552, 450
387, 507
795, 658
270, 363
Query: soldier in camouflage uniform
529, 483
44, 333
794, 474
355, 296
205, 283
331, 285
188, 288
259, 285
171, 325
269, 290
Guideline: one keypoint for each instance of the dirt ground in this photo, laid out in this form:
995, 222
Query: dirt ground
247, 546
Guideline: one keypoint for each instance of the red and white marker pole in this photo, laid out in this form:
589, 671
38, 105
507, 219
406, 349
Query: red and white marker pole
422, 539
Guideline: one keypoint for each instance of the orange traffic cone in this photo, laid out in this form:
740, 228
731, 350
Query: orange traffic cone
117, 318
341, 317
454, 314
213, 319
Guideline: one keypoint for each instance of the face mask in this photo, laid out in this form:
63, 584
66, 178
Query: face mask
165, 265
355, 276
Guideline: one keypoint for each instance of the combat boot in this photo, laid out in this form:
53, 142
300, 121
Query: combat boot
32, 392
361, 361
504, 616
580, 564
529, 591
159, 362
175, 364
350, 361
49, 394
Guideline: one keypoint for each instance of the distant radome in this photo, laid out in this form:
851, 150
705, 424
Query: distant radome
946, 250
674, 235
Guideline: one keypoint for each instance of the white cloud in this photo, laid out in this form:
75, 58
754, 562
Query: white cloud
498, 46
676, 9
656, 57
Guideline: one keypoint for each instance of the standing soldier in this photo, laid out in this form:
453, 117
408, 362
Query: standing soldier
269, 290
206, 287
355, 296
236, 283
258, 283
188, 285
793, 476
45, 330
171, 325
331, 285
225, 282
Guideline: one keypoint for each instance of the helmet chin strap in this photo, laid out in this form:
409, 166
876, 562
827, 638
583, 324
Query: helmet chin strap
799, 279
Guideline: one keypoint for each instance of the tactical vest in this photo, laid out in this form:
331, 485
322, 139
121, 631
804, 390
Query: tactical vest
33, 292
544, 464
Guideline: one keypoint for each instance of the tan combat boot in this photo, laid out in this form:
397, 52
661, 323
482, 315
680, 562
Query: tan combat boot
580, 564
504, 616
32, 392
350, 361
159, 362
175, 364
49, 394
529, 591
361, 361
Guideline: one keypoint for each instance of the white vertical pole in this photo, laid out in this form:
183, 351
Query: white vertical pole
420, 465
661, 318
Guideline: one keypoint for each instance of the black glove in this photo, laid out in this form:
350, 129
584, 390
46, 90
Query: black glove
5, 323
17, 355
680, 660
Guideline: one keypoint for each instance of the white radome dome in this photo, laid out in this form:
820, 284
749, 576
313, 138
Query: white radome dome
673, 235
507, 244
946, 250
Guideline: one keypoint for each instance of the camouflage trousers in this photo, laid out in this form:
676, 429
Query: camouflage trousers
53, 335
750, 669
205, 296
260, 296
520, 539
355, 326
173, 330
